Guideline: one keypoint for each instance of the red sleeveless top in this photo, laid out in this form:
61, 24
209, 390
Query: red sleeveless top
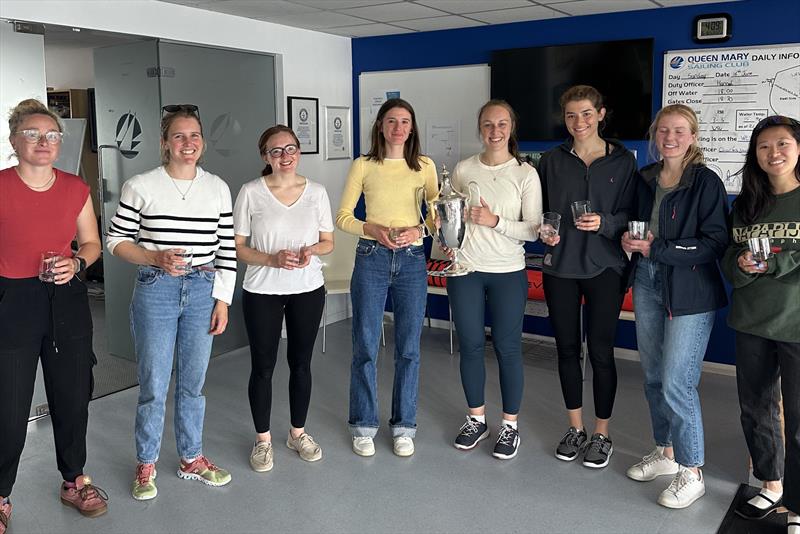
32, 222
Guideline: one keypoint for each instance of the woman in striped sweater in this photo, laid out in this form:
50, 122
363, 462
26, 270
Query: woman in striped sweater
179, 302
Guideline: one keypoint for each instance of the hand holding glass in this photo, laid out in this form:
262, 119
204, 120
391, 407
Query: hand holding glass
47, 266
638, 229
551, 222
761, 249
186, 255
580, 208
395, 229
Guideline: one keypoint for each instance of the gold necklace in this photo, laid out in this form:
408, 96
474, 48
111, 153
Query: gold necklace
37, 187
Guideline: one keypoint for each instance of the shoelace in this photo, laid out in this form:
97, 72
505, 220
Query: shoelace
652, 458
506, 436
679, 482
91, 492
3, 518
143, 473
470, 427
262, 451
307, 441
571, 438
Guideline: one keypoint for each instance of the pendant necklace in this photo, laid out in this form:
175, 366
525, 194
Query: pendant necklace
38, 187
182, 193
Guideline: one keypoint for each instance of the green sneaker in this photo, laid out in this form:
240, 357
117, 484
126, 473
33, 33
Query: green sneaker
203, 470
144, 486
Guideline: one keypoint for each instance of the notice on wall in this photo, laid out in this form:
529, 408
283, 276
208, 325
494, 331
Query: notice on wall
442, 143
730, 90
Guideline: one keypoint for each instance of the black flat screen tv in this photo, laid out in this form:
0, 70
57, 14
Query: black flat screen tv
533, 79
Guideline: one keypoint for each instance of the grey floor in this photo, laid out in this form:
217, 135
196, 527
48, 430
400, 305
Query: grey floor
439, 489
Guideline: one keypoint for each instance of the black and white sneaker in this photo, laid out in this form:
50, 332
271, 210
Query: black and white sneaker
571, 444
471, 433
598, 451
507, 443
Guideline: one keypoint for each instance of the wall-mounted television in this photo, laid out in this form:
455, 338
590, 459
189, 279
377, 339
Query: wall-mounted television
533, 79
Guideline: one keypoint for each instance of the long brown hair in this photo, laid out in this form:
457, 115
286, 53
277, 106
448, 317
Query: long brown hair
513, 144
693, 154
269, 132
411, 150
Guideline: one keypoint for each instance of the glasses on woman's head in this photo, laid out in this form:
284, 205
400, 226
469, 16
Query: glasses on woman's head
53, 137
278, 151
174, 108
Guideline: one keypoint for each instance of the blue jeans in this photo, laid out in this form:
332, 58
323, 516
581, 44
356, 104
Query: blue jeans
506, 295
379, 270
171, 315
671, 351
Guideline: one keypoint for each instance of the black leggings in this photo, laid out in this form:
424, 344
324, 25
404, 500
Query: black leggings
263, 317
54, 323
603, 296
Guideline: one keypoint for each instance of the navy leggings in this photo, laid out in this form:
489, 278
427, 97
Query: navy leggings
505, 294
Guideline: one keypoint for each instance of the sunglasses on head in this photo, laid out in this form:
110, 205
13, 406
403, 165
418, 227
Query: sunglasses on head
174, 108
776, 120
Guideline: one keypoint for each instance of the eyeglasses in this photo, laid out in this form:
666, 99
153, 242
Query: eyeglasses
278, 151
174, 108
53, 137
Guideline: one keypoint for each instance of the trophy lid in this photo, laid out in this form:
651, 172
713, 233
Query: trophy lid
447, 192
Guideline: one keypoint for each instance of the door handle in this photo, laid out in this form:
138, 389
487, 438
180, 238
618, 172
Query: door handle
102, 191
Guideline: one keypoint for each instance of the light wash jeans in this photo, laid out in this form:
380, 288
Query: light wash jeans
171, 316
379, 270
671, 352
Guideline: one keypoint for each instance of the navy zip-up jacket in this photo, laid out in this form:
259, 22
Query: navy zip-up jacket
609, 183
693, 235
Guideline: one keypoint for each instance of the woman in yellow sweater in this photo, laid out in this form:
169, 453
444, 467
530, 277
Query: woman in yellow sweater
389, 258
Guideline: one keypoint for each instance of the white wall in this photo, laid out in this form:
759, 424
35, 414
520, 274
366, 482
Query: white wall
314, 64
69, 68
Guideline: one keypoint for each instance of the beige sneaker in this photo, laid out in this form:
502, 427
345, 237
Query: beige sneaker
308, 449
261, 456
403, 446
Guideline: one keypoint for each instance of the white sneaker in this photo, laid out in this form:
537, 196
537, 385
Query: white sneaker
363, 446
684, 489
653, 465
793, 523
403, 446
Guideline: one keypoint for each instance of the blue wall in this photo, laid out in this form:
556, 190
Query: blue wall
755, 22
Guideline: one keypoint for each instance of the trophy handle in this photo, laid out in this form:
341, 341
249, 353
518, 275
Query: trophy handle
474, 193
419, 195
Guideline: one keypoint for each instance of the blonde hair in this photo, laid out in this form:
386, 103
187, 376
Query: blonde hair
694, 155
25, 109
166, 123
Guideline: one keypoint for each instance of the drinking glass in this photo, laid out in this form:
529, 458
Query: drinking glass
186, 256
638, 229
580, 208
297, 247
47, 264
395, 228
551, 222
760, 247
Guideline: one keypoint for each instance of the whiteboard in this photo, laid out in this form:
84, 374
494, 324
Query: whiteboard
730, 90
445, 101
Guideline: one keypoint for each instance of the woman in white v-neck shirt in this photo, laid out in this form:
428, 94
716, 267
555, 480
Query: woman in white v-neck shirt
282, 224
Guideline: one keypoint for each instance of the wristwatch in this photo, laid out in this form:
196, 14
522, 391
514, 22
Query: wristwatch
81, 263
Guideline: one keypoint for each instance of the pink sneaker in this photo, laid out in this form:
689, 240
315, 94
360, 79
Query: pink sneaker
89, 500
205, 471
5, 516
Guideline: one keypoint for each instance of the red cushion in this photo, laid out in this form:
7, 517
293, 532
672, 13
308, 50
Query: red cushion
627, 303
535, 285
437, 265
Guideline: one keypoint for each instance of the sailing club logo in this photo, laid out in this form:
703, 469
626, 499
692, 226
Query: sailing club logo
676, 62
224, 136
128, 135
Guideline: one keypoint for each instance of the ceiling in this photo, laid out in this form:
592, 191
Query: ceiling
363, 18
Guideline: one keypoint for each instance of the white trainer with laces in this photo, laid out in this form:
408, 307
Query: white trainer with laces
652, 466
403, 446
684, 489
363, 446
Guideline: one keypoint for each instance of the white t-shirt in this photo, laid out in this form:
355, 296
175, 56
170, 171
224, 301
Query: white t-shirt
271, 227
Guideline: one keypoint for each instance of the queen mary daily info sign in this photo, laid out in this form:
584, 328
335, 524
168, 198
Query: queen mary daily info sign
730, 90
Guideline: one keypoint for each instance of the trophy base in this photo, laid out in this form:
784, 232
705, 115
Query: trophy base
455, 269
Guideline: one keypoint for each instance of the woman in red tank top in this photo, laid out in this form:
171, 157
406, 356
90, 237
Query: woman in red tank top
42, 209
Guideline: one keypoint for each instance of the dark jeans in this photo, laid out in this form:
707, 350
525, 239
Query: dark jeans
603, 299
263, 316
760, 363
54, 323
506, 294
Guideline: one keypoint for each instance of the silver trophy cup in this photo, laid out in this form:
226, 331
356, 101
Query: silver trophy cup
451, 212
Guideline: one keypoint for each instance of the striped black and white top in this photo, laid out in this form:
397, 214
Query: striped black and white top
153, 214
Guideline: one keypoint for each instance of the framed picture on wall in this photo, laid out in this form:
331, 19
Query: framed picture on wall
337, 132
304, 120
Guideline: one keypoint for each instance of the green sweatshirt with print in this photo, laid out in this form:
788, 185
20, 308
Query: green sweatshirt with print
768, 305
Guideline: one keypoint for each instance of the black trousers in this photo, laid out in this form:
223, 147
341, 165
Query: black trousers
760, 363
263, 316
54, 323
603, 296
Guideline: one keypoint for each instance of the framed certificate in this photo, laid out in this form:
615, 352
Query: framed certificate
337, 132
304, 120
